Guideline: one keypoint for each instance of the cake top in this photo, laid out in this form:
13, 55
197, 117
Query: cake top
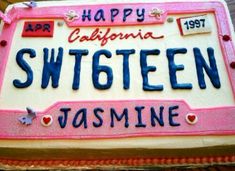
74, 14
121, 69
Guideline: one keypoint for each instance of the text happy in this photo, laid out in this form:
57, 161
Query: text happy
113, 14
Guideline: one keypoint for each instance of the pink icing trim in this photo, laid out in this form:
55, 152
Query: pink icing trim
213, 121
122, 162
4, 18
4, 51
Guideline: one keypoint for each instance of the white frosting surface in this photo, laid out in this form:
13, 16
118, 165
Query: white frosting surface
196, 98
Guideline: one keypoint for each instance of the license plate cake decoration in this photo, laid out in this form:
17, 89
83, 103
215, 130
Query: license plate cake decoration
114, 71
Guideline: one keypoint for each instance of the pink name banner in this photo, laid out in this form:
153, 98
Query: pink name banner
113, 119
90, 119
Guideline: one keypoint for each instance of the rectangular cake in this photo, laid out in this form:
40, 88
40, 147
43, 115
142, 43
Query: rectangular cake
117, 84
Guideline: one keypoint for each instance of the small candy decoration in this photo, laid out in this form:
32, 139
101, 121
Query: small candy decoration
3, 43
46, 120
71, 16
170, 20
191, 118
27, 119
31, 4
60, 23
232, 65
226, 38
156, 12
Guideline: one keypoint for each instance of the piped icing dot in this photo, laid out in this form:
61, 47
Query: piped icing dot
226, 38
170, 20
3, 43
232, 64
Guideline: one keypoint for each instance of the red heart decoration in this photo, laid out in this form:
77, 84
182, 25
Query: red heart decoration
46, 120
191, 118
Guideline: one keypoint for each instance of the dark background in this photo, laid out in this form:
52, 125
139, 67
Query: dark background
231, 6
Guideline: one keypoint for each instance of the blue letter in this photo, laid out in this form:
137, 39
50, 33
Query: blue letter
173, 68
119, 118
60, 118
171, 115
126, 71
139, 124
88, 16
77, 68
114, 12
126, 13
99, 15
145, 69
52, 68
24, 66
211, 71
82, 120
154, 116
97, 69
96, 110
140, 15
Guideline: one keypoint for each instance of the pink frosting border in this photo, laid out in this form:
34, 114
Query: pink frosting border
216, 121
211, 121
